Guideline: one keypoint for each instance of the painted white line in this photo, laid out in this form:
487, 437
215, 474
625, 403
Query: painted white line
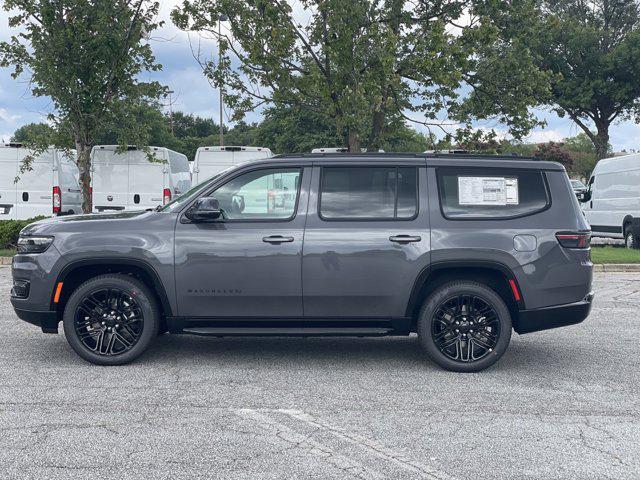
286, 434
372, 447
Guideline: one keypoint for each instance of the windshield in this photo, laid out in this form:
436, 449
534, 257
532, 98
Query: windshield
177, 202
577, 184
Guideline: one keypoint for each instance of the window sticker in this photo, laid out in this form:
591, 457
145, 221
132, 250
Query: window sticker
487, 191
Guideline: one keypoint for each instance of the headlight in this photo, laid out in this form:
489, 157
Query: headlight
33, 244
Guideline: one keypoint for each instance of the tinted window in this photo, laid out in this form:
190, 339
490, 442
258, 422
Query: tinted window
491, 193
378, 193
269, 194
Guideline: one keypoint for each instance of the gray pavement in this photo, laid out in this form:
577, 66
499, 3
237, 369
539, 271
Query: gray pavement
560, 404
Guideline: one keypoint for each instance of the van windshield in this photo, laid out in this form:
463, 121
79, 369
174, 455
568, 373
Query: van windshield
177, 202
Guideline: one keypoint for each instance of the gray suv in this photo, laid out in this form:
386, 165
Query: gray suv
460, 249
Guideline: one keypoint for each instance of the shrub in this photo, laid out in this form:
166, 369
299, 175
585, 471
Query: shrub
10, 229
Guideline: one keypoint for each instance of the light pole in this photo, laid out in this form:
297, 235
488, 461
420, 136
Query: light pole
221, 18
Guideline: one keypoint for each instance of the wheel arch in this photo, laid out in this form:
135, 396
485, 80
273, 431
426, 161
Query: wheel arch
493, 274
627, 220
79, 271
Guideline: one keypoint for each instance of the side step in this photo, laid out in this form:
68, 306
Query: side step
287, 332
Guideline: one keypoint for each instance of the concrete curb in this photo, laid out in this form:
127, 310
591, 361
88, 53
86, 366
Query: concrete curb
616, 267
598, 267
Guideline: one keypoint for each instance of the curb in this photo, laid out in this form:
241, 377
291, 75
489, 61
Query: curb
598, 267
616, 267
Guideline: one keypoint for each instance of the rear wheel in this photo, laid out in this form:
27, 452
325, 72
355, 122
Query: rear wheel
464, 326
111, 319
628, 237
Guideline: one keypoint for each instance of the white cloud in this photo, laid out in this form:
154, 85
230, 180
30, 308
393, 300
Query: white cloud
542, 136
7, 117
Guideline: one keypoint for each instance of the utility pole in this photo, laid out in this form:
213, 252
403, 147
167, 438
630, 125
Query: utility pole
221, 18
171, 110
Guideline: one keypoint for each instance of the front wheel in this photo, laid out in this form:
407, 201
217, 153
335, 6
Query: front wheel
464, 326
111, 319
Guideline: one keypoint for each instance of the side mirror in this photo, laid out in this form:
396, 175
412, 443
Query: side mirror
585, 197
206, 209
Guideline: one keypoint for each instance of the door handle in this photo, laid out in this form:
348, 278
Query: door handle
402, 239
277, 239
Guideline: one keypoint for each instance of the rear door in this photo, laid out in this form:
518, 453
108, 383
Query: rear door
8, 171
35, 187
147, 180
68, 178
110, 179
210, 162
366, 239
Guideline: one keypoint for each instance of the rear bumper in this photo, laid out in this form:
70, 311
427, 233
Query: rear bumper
553, 317
47, 321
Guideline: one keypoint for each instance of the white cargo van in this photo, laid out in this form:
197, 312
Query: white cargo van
330, 150
612, 200
129, 181
212, 160
49, 188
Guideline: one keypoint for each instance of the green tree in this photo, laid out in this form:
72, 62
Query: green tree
86, 55
554, 152
31, 132
591, 49
365, 63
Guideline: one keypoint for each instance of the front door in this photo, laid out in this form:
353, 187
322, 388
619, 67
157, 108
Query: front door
247, 264
367, 239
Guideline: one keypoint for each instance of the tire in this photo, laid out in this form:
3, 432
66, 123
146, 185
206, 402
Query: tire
482, 339
105, 302
628, 237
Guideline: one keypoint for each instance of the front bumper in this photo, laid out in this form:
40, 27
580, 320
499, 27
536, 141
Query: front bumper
553, 317
47, 321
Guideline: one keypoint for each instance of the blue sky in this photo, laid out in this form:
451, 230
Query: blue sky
193, 94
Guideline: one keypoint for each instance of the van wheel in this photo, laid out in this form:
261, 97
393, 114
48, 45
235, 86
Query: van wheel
628, 237
464, 326
111, 319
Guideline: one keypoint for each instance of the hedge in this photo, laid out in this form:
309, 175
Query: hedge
10, 229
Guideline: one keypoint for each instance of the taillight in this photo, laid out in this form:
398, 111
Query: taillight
57, 199
166, 196
574, 239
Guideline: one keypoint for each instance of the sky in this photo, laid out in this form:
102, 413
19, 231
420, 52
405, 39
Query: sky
193, 94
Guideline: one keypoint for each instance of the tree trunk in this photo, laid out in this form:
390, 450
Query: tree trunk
84, 166
354, 141
377, 130
601, 141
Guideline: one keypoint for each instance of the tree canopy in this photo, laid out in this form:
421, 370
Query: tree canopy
86, 55
367, 63
591, 51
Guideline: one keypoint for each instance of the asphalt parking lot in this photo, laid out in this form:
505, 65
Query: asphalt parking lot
560, 404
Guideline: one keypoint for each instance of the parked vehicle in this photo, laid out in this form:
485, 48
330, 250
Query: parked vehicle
330, 150
210, 161
458, 248
129, 181
612, 199
579, 188
49, 188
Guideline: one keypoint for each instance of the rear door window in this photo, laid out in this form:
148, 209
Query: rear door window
369, 193
491, 193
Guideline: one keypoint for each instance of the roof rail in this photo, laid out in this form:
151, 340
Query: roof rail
470, 156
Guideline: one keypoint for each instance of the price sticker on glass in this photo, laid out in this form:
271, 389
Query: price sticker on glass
487, 191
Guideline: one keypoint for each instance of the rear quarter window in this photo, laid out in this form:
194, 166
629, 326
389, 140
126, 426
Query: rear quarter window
491, 193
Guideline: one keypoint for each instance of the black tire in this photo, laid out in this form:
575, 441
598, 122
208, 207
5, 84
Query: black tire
491, 336
629, 241
136, 300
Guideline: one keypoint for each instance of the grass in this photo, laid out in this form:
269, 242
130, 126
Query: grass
7, 253
609, 254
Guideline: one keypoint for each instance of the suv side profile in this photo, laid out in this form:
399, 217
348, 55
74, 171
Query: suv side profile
460, 249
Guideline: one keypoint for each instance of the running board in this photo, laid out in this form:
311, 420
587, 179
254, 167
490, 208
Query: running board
287, 332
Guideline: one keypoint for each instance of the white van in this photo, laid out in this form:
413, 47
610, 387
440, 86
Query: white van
330, 150
612, 200
129, 181
49, 188
212, 160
